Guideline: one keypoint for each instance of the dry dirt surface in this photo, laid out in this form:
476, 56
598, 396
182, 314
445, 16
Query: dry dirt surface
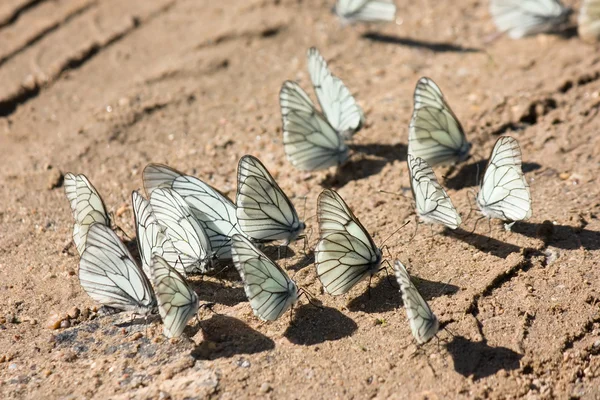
103, 87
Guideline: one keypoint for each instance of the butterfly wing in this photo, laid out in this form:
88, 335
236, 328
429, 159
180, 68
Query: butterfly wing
310, 142
434, 132
366, 10
588, 22
177, 301
215, 211
337, 103
150, 236
86, 205
345, 253
432, 202
185, 232
264, 212
504, 192
423, 322
269, 289
110, 276
519, 18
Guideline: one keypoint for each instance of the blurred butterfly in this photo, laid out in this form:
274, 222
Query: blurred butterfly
309, 141
423, 322
110, 276
434, 133
214, 210
86, 205
504, 192
269, 289
177, 301
264, 212
519, 18
341, 110
345, 253
588, 23
185, 232
151, 237
432, 202
365, 10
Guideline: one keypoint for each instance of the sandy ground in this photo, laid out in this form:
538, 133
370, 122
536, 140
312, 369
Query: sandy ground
105, 87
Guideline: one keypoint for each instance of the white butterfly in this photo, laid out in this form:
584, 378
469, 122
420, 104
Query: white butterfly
504, 192
423, 322
215, 211
110, 276
269, 289
177, 301
432, 202
434, 132
150, 236
86, 205
310, 142
365, 10
342, 112
345, 253
184, 231
264, 212
519, 18
588, 23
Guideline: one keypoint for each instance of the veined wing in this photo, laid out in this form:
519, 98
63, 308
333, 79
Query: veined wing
432, 202
504, 192
264, 212
337, 103
519, 18
434, 133
423, 322
110, 276
269, 289
345, 253
310, 142
365, 10
177, 301
184, 231
215, 211
588, 22
150, 236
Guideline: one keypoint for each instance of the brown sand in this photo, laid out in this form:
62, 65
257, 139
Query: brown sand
105, 87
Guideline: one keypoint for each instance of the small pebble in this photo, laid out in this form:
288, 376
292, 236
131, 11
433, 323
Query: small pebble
12, 366
65, 323
265, 388
136, 336
53, 322
74, 313
55, 179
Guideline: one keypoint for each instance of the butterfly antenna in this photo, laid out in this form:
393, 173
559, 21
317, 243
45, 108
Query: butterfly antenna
396, 231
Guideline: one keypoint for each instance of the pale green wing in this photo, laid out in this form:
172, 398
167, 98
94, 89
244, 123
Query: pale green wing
432, 202
109, 275
310, 142
519, 18
345, 253
264, 212
269, 289
504, 192
177, 301
351, 11
434, 132
423, 322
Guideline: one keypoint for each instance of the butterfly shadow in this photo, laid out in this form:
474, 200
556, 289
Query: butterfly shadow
276, 253
306, 260
360, 167
438, 47
214, 292
226, 336
469, 175
385, 296
562, 236
313, 325
479, 360
486, 244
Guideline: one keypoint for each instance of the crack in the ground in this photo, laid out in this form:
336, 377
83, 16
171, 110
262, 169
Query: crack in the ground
14, 16
48, 30
9, 105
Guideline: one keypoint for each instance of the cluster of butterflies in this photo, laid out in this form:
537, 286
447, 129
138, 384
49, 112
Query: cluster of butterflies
515, 18
186, 226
